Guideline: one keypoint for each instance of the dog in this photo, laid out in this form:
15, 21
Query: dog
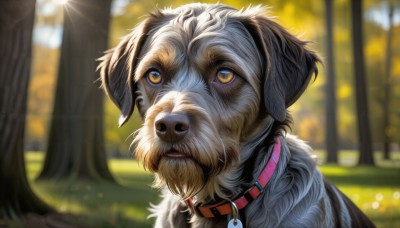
213, 84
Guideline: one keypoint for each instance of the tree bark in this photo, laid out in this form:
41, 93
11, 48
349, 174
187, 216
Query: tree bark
16, 24
387, 87
76, 141
331, 122
365, 143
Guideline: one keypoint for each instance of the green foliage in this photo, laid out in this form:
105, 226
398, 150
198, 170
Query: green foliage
100, 204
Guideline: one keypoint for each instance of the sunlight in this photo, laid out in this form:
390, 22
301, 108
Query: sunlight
61, 2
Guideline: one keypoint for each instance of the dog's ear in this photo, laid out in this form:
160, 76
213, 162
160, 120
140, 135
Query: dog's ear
289, 66
117, 69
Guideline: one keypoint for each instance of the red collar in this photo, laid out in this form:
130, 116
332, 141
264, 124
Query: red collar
225, 207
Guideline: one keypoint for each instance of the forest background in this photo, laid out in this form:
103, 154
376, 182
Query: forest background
303, 18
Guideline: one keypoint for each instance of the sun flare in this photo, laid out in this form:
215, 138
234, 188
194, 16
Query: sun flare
61, 2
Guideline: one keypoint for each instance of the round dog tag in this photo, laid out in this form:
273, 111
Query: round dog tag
232, 224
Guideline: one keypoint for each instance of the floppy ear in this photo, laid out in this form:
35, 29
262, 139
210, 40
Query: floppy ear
117, 68
289, 65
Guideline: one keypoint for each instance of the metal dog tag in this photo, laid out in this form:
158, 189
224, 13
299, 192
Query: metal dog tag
235, 224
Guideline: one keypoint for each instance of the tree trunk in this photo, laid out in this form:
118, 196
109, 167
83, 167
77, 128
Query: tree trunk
387, 88
16, 24
331, 123
76, 140
364, 134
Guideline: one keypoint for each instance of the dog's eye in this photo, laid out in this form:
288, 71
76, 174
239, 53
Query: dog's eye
154, 77
225, 76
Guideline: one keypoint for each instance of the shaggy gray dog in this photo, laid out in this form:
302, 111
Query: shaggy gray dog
212, 84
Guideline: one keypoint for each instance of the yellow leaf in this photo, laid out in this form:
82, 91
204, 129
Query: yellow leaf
344, 92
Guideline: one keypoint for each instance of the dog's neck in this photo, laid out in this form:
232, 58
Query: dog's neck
227, 207
254, 156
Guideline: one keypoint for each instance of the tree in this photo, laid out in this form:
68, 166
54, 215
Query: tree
364, 134
387, 87
331, 123
16, 23
76, 141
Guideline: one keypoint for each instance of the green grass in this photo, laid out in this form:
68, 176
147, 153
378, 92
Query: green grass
376, 190
99, 204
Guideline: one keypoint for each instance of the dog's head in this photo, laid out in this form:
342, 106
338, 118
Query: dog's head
203, 78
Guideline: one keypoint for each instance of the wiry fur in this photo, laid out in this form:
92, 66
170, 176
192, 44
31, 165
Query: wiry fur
232, 127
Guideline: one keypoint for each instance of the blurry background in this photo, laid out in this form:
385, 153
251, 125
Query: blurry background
345, 126
304, 18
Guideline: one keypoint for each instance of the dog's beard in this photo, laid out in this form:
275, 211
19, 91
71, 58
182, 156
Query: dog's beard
187, 176
206, 157
184, 177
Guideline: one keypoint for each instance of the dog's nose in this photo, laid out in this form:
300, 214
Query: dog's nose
171, 127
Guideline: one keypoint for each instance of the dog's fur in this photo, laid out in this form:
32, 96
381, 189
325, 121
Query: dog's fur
229, 128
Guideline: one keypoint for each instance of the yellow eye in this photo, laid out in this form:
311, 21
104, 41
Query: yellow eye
154, 77
225, 76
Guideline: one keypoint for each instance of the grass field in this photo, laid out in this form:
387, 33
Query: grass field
376, 190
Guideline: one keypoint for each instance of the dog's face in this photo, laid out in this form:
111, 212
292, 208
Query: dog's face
203, 77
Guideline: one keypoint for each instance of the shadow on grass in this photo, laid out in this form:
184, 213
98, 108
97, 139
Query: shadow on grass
362, 175
391, 221
74, 221
97, 204
100, 204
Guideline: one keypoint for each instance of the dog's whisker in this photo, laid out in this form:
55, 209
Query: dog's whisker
133, 142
